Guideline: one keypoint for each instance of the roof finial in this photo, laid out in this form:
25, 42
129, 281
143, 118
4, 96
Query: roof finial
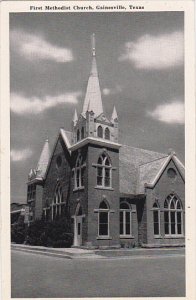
114, 116
93, 44
75, 117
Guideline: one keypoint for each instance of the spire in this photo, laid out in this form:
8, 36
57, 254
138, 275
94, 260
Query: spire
93, 99
114, 115
93, 44
75, 117
43, 160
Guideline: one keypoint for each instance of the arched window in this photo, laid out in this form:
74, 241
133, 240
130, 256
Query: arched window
156, 218
100, 132
78, 135
173, 215
58, 202
104, 171
79, 173
107, 133
82, 133
125, 219
103, 219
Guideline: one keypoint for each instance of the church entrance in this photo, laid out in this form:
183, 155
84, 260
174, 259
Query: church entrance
78, 221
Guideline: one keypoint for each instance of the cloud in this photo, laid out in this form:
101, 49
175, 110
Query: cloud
155, 52
106, 91
171, 113
34, 105
115, 90
18, 155
35, 47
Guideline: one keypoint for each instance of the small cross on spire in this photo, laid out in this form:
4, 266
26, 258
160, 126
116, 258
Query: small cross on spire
93, 44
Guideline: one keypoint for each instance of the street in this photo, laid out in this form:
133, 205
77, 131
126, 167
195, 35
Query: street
40, 276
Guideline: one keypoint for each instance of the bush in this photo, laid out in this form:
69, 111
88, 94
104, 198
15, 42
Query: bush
34, 232
51, 234
18, 233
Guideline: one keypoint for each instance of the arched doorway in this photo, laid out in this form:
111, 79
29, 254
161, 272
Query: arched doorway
78, 221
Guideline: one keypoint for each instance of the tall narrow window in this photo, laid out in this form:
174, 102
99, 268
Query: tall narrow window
82, 133
58, 202
100, 131
107, 134
79, 173
78, 135
104, 171
103, 219
173, 215
31, 192
156, 219
125, 220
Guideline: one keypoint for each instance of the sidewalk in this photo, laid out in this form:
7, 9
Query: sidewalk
69, 253
77, 253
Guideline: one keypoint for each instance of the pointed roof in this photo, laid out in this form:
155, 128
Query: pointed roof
43, 160
114, 115
150, 172
139, 168
93, 101
130, 160
75, 117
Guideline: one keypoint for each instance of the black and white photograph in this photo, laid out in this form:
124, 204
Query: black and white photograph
97, 151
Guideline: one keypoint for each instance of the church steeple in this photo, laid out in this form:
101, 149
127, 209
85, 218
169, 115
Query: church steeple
93, 101
93, 122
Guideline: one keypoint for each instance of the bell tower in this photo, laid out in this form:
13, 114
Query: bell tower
93, 122
95, 141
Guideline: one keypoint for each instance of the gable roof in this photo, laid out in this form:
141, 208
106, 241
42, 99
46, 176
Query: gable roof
139, 168
67, 139
130, 159
150, 173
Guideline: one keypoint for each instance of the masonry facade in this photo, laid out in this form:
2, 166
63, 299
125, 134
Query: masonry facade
112, 194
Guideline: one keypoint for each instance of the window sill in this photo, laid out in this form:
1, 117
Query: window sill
104, 188
126, 237
78, 189
173, 236
104, 238
158, 237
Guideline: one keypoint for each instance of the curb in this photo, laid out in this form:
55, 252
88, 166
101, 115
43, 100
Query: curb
54, 252
92, 255
47, 253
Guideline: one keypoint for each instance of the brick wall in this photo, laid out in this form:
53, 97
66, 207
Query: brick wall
142, 221
80, 196
38, 202
57, 175
96, 195
163, 188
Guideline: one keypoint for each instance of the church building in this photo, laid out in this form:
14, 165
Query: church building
113, 194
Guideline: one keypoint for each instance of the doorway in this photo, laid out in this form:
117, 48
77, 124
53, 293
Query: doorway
78, 223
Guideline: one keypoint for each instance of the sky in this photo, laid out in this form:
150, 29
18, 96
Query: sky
140, 58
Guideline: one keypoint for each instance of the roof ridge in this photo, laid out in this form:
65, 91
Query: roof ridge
154, 160
143, 149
